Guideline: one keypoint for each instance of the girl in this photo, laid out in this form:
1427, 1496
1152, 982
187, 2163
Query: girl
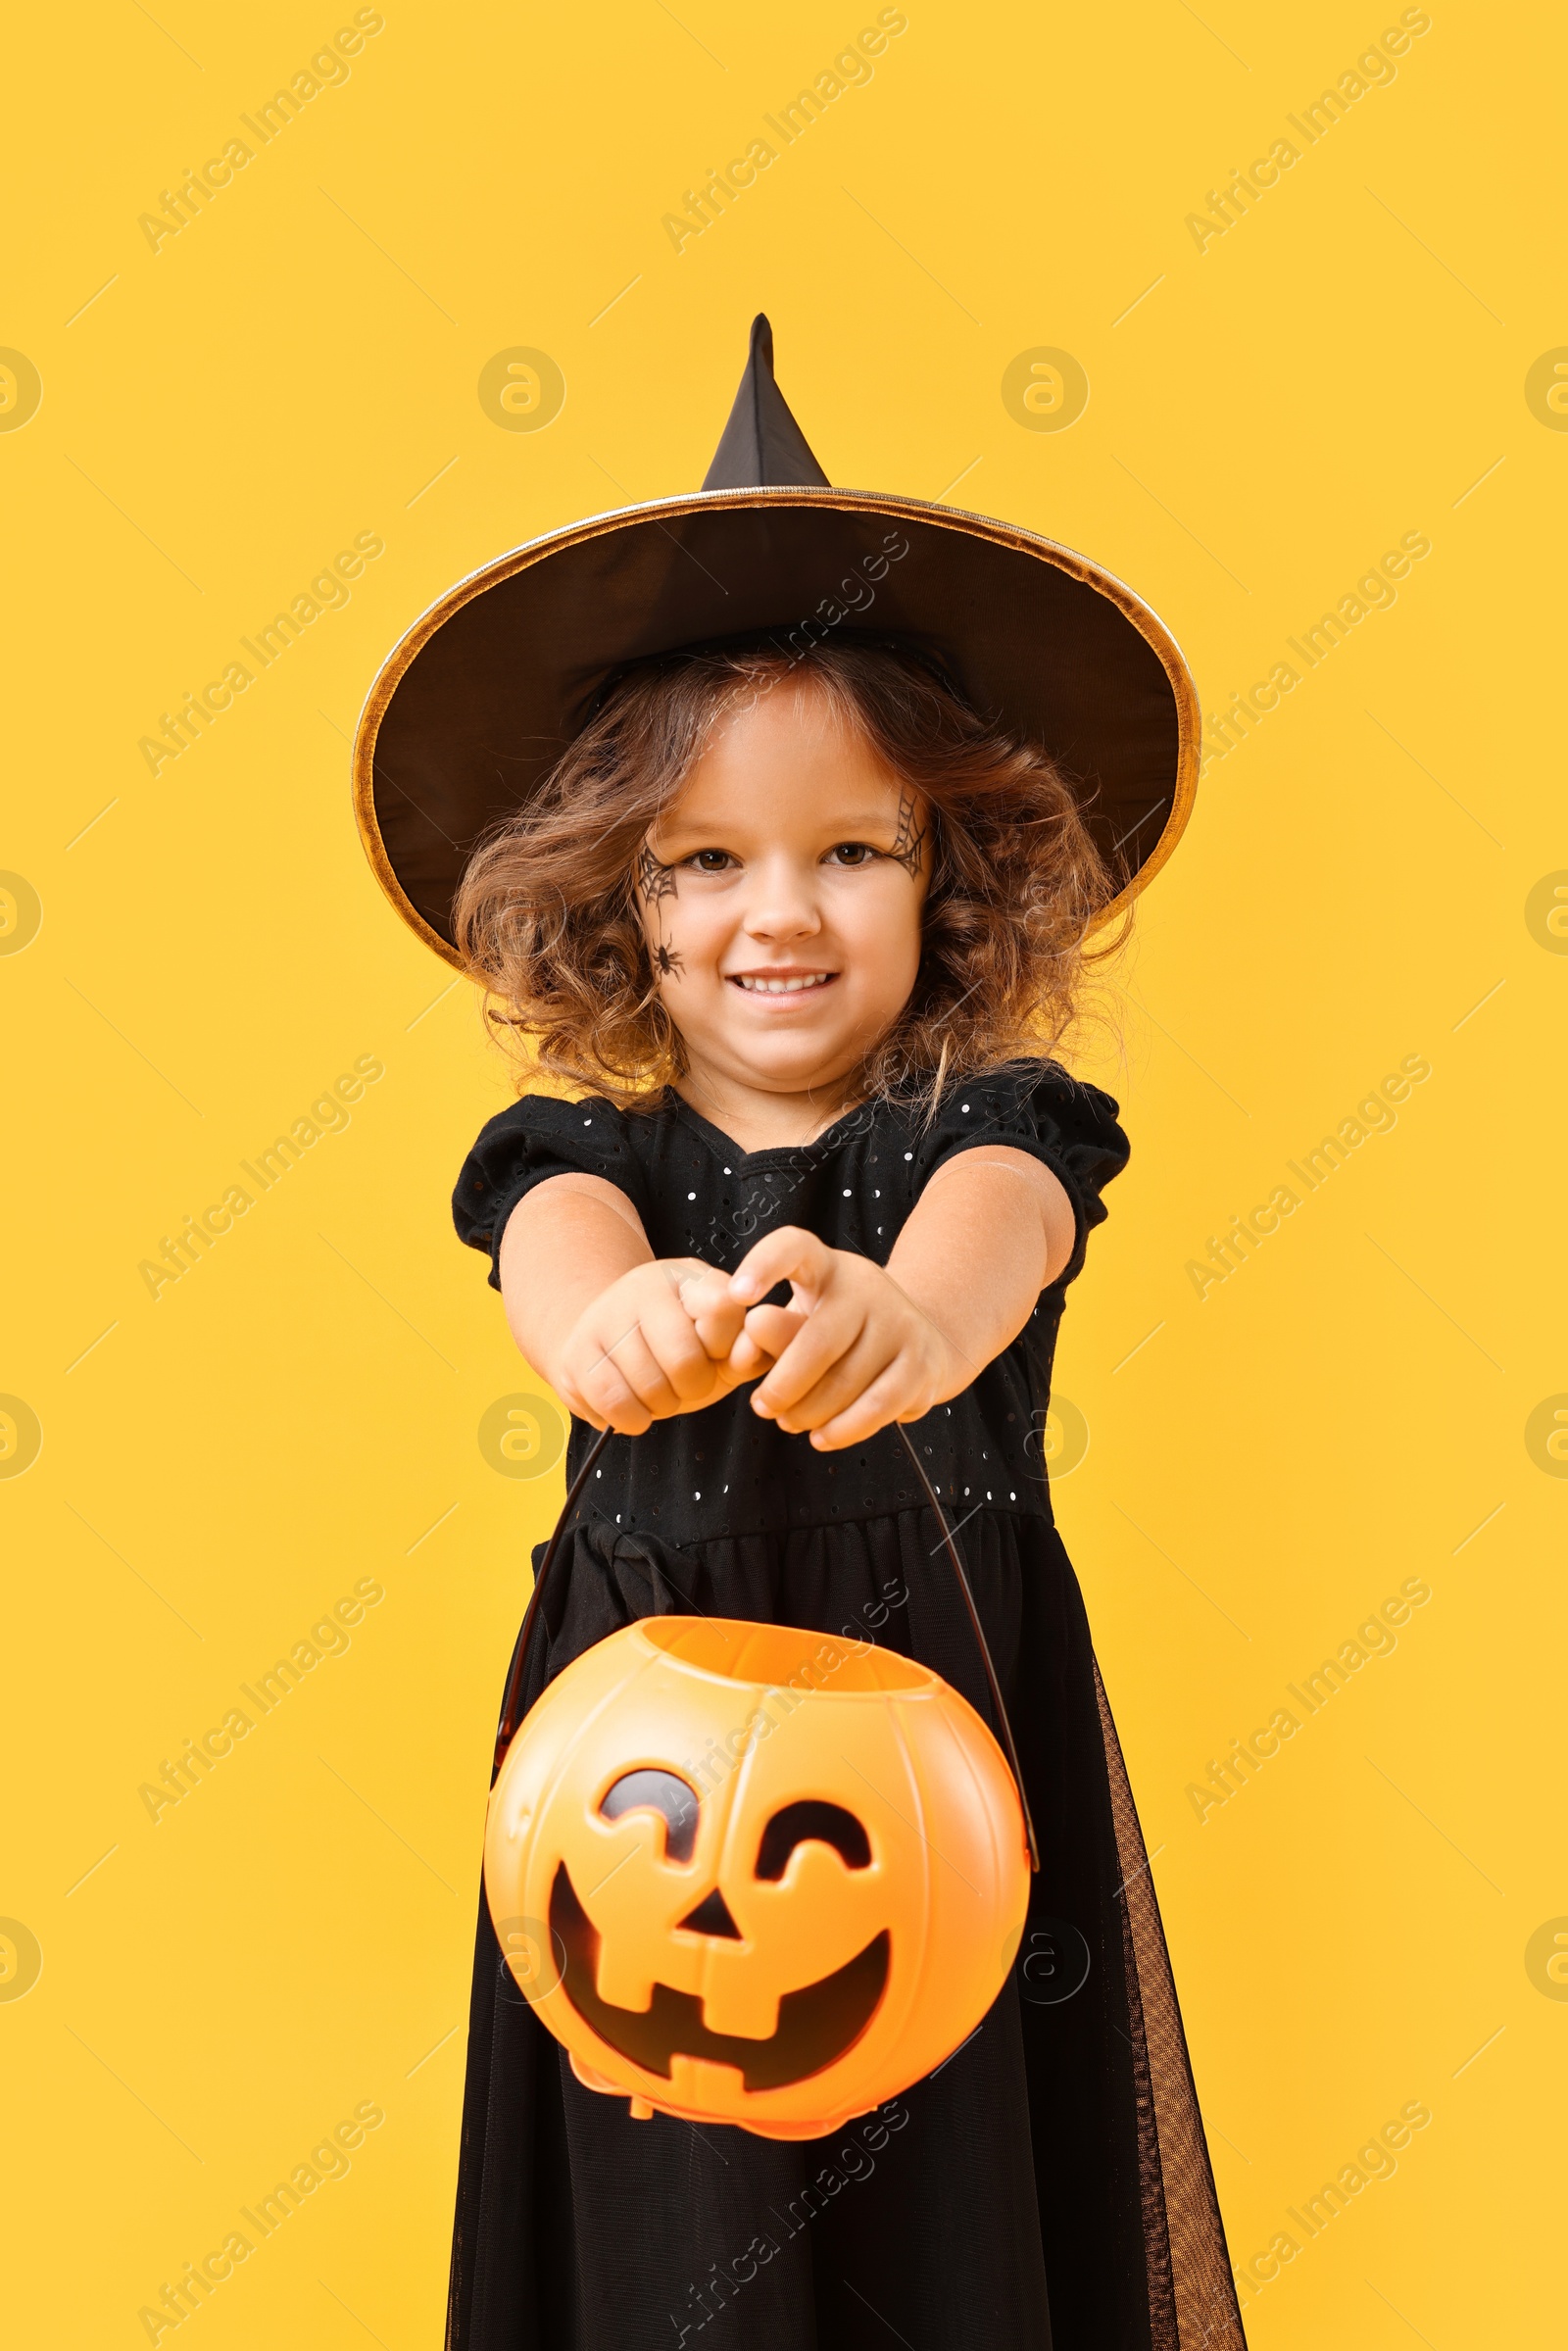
793, 927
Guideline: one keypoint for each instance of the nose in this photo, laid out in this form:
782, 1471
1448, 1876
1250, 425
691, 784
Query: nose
782, 903
711, 1917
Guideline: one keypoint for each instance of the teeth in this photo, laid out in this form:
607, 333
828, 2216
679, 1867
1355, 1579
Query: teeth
784, 987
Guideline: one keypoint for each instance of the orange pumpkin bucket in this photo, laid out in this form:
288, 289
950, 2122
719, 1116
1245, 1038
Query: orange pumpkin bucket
754, 1875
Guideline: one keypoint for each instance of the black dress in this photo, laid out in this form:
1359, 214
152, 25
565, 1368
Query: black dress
1050, 2186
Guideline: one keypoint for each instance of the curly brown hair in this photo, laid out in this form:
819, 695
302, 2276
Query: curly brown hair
546, 919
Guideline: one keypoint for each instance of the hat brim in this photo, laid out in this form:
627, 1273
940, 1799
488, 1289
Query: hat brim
477, 702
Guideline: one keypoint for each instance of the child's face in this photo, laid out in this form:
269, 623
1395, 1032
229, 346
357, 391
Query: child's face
781, 896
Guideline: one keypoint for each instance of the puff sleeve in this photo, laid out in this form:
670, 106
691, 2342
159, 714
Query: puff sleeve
538, 1137
1039, 1107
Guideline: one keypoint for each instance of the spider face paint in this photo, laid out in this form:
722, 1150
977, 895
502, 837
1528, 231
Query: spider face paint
657, 882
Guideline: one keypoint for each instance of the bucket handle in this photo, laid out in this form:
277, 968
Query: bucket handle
511, 1703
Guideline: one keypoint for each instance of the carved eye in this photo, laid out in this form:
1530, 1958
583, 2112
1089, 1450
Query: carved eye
661, 1793
826, 1824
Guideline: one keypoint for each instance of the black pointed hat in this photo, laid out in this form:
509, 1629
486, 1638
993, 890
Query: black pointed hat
475, 706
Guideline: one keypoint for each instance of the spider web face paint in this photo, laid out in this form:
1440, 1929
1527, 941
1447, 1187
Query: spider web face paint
654, 881
908, 843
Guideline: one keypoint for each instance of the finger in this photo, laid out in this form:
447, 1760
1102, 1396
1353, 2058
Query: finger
578, 1403
789, 1254
747, 1360
630, 1363
673, 1339
641, 1367
825, 1334
837, 1389
892, 1396
773, 1327
610, 1401
704, 1291
728, 1376
716, 1313
767, 1333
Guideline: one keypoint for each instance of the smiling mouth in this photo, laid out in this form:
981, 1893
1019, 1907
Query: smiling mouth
784, 983
815, 2024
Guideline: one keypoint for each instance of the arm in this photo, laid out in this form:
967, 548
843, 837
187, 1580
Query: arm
859, 1347
596, 1314
991, 1229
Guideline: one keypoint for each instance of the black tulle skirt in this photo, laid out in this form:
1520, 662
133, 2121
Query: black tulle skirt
1046, 2190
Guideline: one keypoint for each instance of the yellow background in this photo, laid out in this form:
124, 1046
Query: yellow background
301, 1411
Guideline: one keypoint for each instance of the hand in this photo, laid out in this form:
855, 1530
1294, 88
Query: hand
634, 1356
850, 1354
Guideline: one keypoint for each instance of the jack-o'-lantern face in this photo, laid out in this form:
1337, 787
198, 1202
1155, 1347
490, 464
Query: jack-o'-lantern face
817, 2023
773, 1877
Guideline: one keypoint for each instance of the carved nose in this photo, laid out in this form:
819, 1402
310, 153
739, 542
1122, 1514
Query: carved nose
711, 1917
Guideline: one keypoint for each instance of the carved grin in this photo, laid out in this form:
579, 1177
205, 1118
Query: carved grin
816, 2023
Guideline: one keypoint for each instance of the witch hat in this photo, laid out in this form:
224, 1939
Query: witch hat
477, 702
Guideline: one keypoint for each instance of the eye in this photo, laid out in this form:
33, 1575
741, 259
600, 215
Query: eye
710, 861
825, 1824
850, 852
658, 1791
